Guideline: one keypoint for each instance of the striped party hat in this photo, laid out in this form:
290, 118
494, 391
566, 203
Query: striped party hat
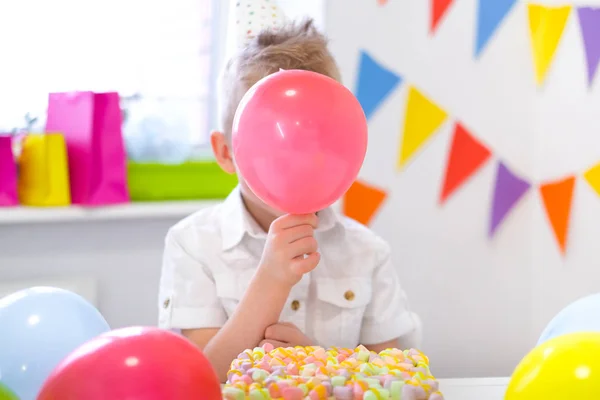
248, 17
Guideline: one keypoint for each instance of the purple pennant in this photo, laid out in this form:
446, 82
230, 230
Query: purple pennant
509, 189
589, 19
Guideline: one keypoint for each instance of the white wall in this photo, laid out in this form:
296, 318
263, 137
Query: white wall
114, 264
484, 302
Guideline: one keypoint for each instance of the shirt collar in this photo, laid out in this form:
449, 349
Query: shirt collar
236, 221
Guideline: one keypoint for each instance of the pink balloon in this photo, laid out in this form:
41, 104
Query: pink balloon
299, 140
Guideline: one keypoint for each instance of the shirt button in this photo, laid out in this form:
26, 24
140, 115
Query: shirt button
295, 305
166, 303
349, 295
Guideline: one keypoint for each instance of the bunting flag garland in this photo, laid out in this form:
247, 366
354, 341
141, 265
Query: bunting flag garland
557, 197
421, 120
374, 83
589, 20
546, 25
362, 201
592, 176
546, 28
491, 13
438, 10
466, 156
509, 189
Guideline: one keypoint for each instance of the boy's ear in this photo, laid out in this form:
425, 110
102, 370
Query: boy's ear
222, 151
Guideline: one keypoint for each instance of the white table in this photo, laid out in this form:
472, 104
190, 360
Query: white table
474, 388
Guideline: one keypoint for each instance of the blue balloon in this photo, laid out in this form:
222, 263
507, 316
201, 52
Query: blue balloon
39, 327
581, 316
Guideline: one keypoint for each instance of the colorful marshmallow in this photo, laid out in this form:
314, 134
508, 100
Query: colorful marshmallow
314, 373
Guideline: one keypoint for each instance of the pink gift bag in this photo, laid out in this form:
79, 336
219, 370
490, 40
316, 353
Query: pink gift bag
8, 174
91, 124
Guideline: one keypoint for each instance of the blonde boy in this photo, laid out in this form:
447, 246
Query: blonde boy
234, 276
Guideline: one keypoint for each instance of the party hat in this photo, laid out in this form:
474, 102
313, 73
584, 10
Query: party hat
248, 17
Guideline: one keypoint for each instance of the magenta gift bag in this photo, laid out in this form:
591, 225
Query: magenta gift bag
8, 174
91, 123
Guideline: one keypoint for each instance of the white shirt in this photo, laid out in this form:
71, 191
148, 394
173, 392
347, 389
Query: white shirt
352, 297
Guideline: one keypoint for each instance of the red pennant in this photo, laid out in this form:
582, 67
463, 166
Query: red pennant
362, 201
557, 197
467, 155
438, 10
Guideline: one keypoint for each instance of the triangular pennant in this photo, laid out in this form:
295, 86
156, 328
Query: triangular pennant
508, 191
374, 83
592, 176
490, 15
557, 197
362, 201
546, 25
467, 155
421, 120
589, 19
438, 10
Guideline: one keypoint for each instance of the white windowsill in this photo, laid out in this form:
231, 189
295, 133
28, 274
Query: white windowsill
34, 215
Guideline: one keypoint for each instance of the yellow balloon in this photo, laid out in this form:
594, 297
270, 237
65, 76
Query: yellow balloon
564, 368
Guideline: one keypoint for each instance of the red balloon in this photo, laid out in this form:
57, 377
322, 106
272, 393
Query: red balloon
134, 364
299, 140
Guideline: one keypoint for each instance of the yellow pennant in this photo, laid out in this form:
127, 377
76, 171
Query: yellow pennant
421, 120
592, 176
546, 26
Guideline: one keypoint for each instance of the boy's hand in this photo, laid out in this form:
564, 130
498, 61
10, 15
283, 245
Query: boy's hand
290, 238
285, 334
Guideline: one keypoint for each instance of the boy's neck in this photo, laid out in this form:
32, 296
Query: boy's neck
262, 217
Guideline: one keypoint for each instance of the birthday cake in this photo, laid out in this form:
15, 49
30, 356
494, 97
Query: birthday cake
315, 373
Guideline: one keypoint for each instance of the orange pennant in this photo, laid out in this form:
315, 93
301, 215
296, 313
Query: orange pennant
467, 155
362, 201
557, 197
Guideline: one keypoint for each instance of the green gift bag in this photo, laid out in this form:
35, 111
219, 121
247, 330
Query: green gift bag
6, 393
194, 180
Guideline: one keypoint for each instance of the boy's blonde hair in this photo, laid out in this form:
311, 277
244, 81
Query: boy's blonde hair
295, 45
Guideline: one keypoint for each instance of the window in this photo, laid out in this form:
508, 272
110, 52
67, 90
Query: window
150, 51
161, 56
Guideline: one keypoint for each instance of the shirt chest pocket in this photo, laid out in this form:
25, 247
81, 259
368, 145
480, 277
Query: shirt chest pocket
340, 307
230, 287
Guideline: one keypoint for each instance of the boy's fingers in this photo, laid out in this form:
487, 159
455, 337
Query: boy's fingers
303, 265
275, 343
298, 232
290, 221
299, 248
281, 332
287, 323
